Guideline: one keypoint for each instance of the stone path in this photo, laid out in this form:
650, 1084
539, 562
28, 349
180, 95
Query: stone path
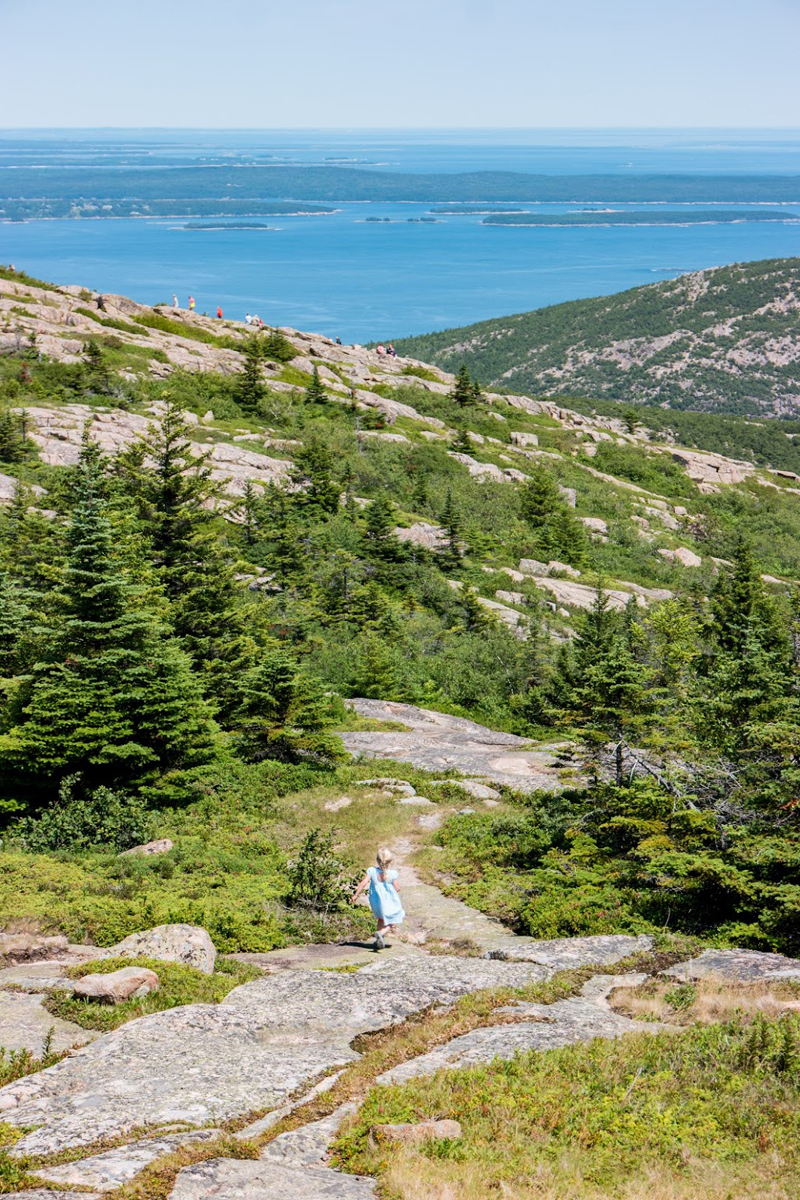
437, 742
541, 1027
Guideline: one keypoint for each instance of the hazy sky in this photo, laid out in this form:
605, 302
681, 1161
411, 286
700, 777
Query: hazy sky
371, 63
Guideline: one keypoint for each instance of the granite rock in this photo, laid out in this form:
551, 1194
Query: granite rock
116, 986
187, 944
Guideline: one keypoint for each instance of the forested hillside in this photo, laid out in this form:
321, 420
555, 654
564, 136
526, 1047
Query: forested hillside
725, 340
211, 538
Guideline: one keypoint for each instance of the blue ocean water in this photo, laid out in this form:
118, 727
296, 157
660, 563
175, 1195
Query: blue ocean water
343, 275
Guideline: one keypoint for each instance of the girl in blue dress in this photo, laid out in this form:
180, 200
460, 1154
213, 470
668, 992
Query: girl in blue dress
383, 895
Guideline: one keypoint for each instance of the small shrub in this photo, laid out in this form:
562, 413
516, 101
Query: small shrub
104, 818
318, 878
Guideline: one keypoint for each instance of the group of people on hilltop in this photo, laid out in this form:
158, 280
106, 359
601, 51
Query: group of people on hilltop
253, 319
387, 350
191, 305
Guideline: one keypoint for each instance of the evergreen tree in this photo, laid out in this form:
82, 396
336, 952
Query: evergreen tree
97, 377
379, 541
248, 511
315, 392
12, 447
540, 499
375, 673
175, 495
115, 701
450, 553
250, 389
462, 442
282, 535
313, 474
463, 392
276, 345
283, 714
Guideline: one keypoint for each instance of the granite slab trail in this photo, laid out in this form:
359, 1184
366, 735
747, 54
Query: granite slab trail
203, 1063
580, 1018
435, 741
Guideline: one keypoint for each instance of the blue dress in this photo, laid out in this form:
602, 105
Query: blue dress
384, 898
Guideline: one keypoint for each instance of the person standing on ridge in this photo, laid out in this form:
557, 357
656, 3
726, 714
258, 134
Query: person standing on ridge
219, 312
191, 304
175, 301
383, 896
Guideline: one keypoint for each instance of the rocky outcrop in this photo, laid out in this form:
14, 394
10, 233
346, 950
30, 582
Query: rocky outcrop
438, 742
26, 1025
160, 846
187, 944
116, 986
30, 947
743, 966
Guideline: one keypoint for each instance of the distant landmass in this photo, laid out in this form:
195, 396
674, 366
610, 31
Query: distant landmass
723, 340
713, 216
250, 190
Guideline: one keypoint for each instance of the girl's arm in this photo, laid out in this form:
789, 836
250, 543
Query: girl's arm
363, 885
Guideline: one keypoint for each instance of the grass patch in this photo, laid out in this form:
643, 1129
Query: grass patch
353, 723
112, 322
179, 329
706, 1001
29, 280
713, 1112
179, 985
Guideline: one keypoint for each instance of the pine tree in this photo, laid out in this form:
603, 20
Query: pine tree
12, 447
450, 553
540, 499
315, 392
462, 442
282, 713
174, 494
250, 389
114, 701
379, 540
248, 510
313, 474
276, 345
375, 675
463, 392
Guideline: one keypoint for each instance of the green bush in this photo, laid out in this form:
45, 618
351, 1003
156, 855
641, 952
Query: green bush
103, 818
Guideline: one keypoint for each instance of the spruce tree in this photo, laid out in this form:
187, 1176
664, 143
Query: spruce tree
12, 447
462, 442
276, 345
114, 701
175, 496
313, 475
250, 389
282, 713
463, 392
315, 392
379, 540
450, 553
540, 499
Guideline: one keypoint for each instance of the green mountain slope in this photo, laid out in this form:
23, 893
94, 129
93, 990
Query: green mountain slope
260, 527
722, 340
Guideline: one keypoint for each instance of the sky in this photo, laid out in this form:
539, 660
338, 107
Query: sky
408, 64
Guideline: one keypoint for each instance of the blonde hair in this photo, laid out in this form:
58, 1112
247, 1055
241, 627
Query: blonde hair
384, 859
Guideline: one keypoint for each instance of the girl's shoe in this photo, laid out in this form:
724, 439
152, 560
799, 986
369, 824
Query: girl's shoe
380, 944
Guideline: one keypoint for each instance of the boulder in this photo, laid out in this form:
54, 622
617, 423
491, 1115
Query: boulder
595, 524
682, 555
524, 439
532, 566
159, 846
422, 1131
29, 947
117, 986
562, 568
187, 944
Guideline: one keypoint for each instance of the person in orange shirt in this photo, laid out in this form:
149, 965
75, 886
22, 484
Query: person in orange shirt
219, 312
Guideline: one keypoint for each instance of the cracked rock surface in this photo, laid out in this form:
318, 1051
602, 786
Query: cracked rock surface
437, 742
203, 1063
744, 966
